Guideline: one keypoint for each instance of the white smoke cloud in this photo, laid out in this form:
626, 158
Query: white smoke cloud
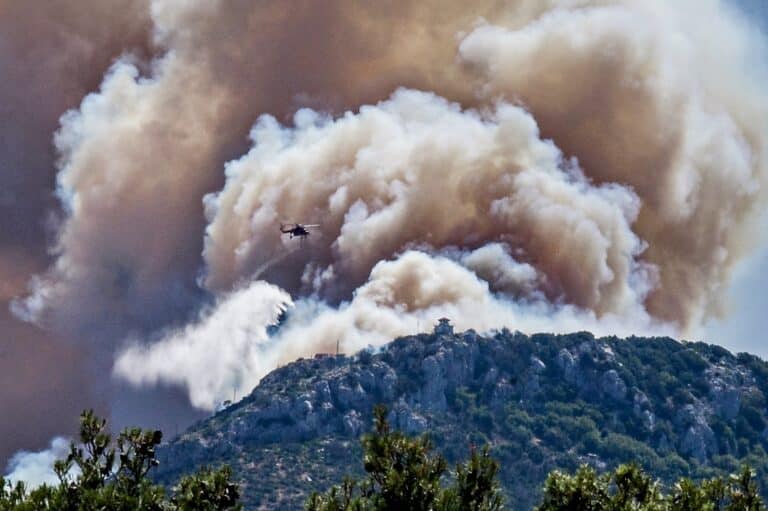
228, 349
416, 169
661, 97
414, 290
494, 264
136, 156
36, 468
645, 94
561, 165
225, 353
137, 265
636, 236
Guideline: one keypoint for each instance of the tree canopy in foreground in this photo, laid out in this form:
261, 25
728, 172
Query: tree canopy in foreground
629, 488
403, 473
99, 474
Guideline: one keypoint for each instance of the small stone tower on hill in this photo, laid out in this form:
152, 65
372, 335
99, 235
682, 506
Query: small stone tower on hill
443, 327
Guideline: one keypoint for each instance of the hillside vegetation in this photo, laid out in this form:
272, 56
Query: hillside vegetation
542, 402
403, 473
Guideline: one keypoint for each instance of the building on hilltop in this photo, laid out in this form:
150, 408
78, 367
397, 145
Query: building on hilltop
443, 327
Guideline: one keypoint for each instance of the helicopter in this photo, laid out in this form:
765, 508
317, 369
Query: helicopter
297, 230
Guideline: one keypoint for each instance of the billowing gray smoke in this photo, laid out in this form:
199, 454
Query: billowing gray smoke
656, 96
51, 54
548, 165
418, 171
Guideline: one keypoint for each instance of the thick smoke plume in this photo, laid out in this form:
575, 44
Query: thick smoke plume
548, 165
51, 54
418, 170
227, 351
36, 468
139, 154
656, 96
49, 58
241, 319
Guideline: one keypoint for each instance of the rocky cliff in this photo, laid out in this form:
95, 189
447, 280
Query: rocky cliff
541, 402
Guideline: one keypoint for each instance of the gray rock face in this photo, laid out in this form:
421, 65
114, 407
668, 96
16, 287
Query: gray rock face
640, 402
350, 395
385, 380
649, 420
404, 418
532, 385
727, 401
567, 364
424, 379
353, 423
491, 377
613, 385
457, 361
432, 395
594, 461
367, 379
641, 408
322, 390
579, 368
507, 387
502, 394
537, 366
725, 391
340, 402
698, 439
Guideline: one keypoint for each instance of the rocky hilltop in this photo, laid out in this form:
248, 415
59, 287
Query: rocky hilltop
542, 402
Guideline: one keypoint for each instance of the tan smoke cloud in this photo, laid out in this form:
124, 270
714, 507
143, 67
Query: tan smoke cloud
633, 90
45, 385
51, 53
417, 169
621, 195
139, 154
657, 96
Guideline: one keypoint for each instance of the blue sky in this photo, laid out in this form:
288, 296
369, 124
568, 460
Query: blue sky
757, 9
746, 326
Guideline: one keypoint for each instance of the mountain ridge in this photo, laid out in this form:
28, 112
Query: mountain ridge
541, 402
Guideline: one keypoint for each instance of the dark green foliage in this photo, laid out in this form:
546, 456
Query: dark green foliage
476, 487
208, 490
629, 488
567, 419
105, 476
404, 474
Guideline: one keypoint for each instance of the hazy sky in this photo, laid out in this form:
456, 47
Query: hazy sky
745, 328
756, 8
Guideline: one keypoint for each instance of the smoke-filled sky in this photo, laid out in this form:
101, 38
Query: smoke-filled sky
551, 165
